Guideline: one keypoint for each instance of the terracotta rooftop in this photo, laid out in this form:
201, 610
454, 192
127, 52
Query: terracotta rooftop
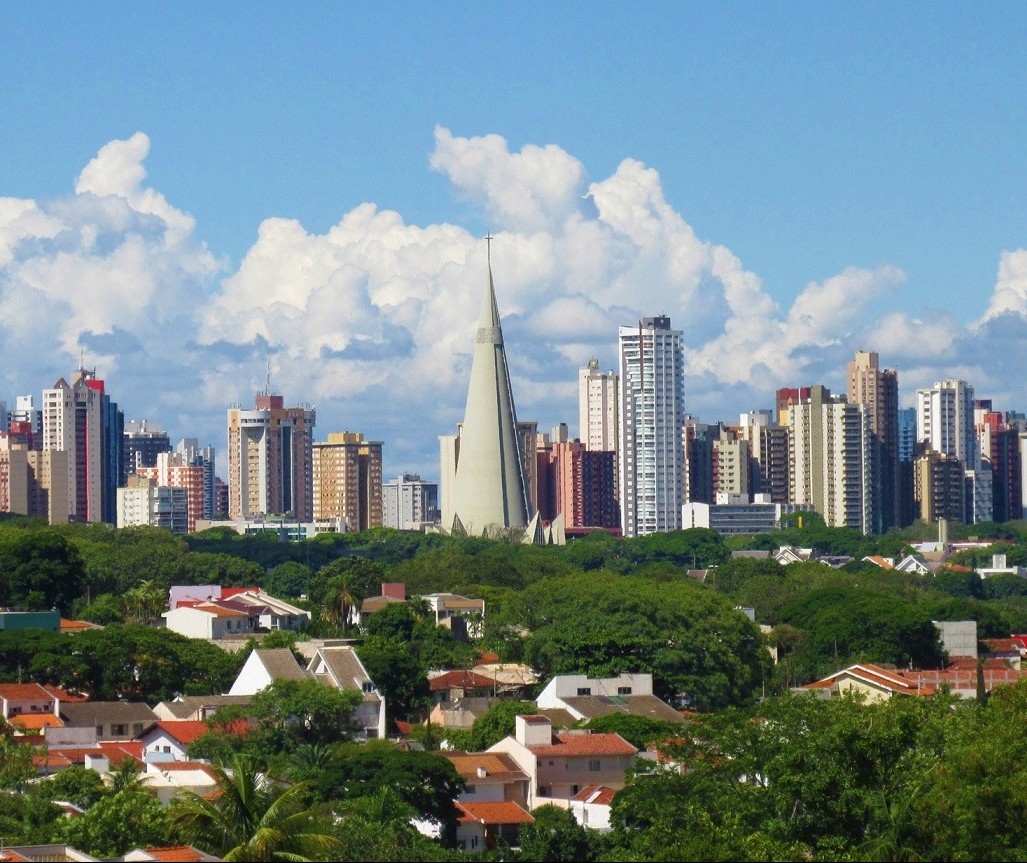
24, 692
499, 767
179, 854
599, 794
35, 721
64, 696
505, 812
586, 744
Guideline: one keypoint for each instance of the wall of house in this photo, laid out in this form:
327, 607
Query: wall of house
190, 623
563, 777
870, 693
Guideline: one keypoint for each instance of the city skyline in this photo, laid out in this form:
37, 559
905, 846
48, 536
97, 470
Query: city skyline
782, 219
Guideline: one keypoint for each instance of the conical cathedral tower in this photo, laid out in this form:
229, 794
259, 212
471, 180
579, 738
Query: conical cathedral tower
488, 489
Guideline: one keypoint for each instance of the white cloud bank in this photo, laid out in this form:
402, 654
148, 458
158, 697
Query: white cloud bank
373, 321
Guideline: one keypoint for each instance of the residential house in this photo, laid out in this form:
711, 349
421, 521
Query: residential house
266, 612
459, 613
870, 681
169, 741
170, 854
17, 698
481, 826
560, 764
168, 778
453, 685
587, 698
210, 620
793, 554
198, 707
265, 665
461, 712
339, 667
591, 807
509, 679
113, 720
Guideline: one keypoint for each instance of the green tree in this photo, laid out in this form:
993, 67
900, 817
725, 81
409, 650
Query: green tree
554, 837
41, 569
79, 785
639, 731
118, 823
252, 818
297, 712
429, 783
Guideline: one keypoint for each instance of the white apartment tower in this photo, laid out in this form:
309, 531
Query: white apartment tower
652, 416
945, 421
597, 408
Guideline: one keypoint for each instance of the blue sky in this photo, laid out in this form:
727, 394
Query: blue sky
810, 177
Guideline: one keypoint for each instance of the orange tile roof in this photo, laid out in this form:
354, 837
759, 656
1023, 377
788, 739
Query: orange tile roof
504, 812
219, 610
35, 721
498, 766
178, 854
76, 625
586, 744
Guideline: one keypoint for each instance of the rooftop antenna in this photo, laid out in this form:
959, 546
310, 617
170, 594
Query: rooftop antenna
268, 390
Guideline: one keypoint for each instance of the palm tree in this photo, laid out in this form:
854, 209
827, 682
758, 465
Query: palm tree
249, 817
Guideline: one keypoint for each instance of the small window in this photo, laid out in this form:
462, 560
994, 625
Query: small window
368, 686
118, 730
99, 731
624, 690
594, 765
584, 690
469, 789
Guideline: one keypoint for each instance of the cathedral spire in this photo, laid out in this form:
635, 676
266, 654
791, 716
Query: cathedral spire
489, 484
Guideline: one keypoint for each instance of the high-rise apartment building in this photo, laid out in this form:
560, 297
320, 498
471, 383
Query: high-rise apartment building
768, 455
731, 467
945, 424
598, 403
142, 502
409, 502
143, 442
270, 459
81, 419
579, 486
878, 388
939, 487
191, 453
174, 470
945, 421
652, 417
697, 447
832, 460
348, 480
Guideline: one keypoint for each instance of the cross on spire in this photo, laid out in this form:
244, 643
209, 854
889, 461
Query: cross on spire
488, 240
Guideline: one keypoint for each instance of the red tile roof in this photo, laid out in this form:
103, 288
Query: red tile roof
183, 730
23, 692
498, 766
64, 695
505, 812
892, 681
600, 794
586, 744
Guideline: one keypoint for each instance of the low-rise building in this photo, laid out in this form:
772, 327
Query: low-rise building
113, 720
587, 698
560, 764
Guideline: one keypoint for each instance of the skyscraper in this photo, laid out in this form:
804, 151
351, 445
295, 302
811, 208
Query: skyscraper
651, 422
831, 457
408, 502
348, 480
81, 419
482, 468
144, 441
270, 460
878, 388
597, 408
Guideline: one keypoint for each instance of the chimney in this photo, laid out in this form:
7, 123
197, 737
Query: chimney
533, 731
482, 773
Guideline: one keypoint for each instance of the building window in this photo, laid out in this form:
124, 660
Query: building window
624, 690
584, 690
469, 789
594, 765
118, 730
